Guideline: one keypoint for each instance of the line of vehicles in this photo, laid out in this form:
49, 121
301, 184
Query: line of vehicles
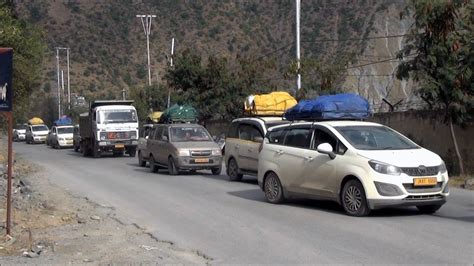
318, 150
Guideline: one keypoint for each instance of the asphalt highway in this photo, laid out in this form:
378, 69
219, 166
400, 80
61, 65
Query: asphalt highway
231, 222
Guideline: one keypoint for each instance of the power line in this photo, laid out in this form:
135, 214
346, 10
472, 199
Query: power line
358, 39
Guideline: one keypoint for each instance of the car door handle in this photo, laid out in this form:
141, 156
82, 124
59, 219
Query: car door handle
308, 158
250, 150
279, 152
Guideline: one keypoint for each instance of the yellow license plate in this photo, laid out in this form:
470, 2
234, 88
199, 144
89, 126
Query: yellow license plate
201, 160
425, 181
119, 146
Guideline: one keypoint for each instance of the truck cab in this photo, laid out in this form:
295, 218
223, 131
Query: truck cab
110, 126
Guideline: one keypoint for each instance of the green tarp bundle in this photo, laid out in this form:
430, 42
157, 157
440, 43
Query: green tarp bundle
179, 114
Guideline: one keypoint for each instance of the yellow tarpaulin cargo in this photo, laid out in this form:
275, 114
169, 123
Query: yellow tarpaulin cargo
274, 103
155, 116
35, 121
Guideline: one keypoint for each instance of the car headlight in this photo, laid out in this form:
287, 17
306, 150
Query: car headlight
62, 139
216, 152
442, 168
183, 152
385, 168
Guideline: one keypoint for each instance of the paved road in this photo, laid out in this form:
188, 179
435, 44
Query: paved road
232, 222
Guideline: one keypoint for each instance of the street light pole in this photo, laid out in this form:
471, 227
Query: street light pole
171, 65
146, 23
57, 70
68, 85
298, 79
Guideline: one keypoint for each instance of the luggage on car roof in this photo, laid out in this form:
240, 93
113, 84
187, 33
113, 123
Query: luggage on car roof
327, 107
179, 114
35, 121
274, 103
63, 121
154, 117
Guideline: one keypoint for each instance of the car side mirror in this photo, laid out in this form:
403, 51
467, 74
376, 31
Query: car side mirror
164, 138
258, 139
326, 148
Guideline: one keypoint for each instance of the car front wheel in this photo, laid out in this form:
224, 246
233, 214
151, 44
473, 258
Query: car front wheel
353, 199
153, 167
172, 169
273, 189
141, 162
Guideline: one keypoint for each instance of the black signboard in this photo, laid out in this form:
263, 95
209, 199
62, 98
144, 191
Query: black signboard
6, 71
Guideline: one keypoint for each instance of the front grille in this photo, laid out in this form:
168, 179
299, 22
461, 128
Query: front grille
200, 153
424, 189
423, 197
118, 135
421, 170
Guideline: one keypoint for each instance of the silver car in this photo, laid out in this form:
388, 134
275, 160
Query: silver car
182, 147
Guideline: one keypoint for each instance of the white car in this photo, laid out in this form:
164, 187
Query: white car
361, 165
36, 133
19, 133
61, 137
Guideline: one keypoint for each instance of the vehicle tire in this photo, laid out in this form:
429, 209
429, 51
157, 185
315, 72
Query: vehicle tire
56, 146
273, 189
216, 171
132, 152
353, 199
76, 148
95, 152
85, 151
153, 167
141, 162
172, 169
428, 209
233, 171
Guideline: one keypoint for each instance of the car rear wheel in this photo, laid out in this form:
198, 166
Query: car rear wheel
273, 189
172, 169
233, 171
353, 199
153, 167
428, 209
141, 162
132, 152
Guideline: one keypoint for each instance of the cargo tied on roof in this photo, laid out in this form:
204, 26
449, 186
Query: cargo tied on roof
35, 121
63, 121
331, 107
154, 117
179, 114
272, 104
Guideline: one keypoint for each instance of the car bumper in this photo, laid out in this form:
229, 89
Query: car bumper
39, 139
438, 199
65, 143
190, 163
21, 137
118, 145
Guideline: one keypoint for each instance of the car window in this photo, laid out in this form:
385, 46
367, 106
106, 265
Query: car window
40, 128
64, 130
189, 133
375, 138
166, 133
158, 133
276, 136
249, 132
298, 137
324, 137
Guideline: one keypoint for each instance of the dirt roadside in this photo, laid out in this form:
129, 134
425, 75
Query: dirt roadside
52, 226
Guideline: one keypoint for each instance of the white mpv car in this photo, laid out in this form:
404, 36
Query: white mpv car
361, 165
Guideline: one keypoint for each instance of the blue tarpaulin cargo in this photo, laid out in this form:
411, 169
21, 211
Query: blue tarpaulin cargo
63, 121
328, 107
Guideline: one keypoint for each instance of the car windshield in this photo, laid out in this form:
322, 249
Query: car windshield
21, 127
184, 134
65, 130
375, 138
40, 128
119, 116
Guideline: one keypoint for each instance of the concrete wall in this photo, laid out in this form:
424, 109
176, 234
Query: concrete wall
427, 129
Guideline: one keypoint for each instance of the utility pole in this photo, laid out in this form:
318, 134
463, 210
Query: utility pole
68, 85
171, 65
146, 23
123, 94
62, 83
298, 79
59, 93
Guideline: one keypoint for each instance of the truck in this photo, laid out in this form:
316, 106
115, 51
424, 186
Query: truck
109, 126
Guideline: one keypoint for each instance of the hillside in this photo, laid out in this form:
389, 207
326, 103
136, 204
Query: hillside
108, 47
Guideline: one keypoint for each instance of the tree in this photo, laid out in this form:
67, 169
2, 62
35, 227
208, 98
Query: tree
319, 76
28, 51
438, 54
